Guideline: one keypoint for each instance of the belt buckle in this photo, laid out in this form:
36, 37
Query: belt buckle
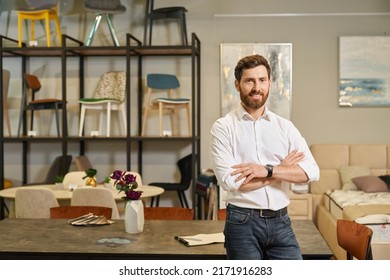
261, 214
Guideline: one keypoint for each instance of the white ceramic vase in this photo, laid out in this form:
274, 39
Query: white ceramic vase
134, 216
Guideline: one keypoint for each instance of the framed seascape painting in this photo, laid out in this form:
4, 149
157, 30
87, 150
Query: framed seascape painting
364, 64
280, 58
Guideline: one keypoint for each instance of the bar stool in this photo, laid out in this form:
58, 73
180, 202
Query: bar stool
176, 12
106, 8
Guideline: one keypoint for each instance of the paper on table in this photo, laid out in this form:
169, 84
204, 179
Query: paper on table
201, 239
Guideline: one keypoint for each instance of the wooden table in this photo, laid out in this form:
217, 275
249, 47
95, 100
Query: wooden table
64, 196
56, 239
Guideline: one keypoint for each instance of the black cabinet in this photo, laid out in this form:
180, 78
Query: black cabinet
135, 55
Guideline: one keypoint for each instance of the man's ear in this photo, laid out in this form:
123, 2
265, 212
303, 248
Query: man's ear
237, 85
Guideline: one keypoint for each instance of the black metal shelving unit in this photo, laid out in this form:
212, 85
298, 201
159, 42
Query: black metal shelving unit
73, 48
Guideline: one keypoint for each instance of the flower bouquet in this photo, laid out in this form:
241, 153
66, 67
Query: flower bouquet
134, 209
126, 182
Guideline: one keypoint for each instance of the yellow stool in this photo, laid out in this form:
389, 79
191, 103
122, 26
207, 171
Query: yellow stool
34, 14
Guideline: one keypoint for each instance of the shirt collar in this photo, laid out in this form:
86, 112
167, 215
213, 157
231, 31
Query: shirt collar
243, 114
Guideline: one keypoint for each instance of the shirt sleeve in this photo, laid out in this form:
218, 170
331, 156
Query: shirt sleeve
222, 159
308, 164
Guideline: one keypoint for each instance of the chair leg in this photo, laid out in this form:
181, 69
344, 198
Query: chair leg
160, 116
112, 30
57, 120
82, 117
123, 114
189, 119
108, 119
47, 25
95, 26
184, 29
20, 30
59, 34
6, 116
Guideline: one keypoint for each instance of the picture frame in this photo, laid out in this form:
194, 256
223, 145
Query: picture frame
364, 71
279, 57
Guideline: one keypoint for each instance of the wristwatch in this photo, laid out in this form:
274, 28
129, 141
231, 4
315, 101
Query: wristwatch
270, 169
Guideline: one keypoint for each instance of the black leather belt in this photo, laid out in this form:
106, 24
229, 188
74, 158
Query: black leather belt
264, 213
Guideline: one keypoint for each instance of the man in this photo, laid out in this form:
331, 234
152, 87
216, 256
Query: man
255, 155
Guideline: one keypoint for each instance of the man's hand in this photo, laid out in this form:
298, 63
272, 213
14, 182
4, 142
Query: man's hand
293, 158
250, 171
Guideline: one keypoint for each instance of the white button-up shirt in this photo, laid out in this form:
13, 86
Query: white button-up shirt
238, 138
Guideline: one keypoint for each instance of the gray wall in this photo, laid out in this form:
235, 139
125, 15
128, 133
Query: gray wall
311, 26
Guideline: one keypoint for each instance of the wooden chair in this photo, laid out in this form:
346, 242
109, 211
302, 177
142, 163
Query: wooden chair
157, 83
355, 239
221, 214
29, 102
168, 213
95, 197
70, 212
34, 203
82, 163
39, 10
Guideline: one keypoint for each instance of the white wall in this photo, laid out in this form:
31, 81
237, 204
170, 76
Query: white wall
312, 26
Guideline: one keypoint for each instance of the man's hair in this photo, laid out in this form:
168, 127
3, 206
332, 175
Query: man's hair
249, 62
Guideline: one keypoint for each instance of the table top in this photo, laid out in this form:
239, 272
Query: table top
63, 194
56, 239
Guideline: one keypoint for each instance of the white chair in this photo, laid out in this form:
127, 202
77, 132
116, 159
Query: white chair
109, 96
157, 83
34, 203
95, 197
74, 177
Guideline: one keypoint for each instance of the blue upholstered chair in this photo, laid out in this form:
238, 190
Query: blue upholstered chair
157, 83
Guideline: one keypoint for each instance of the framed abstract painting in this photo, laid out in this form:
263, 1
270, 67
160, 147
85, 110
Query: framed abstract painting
280, 58
364, 69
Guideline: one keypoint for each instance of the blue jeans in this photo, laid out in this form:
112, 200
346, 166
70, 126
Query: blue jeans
251, 237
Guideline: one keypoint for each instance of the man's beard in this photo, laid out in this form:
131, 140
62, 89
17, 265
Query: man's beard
253, 104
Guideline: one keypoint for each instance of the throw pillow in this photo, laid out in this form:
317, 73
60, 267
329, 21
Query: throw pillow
349, 172
370, 184
386, 179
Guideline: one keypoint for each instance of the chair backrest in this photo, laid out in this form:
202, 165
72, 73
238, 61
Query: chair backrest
70, 212
32, 84
355, 239
82, 163
185, 167
162, 81
112, 85
42, 4
95, 197
221, 214
34, 203
74, 177
58, 168
168, 213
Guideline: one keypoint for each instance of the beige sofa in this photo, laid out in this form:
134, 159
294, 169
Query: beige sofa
330, 158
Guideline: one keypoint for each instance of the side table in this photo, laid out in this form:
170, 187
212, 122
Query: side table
301, 206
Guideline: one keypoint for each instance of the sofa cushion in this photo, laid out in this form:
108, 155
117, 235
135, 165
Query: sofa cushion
349, 172
386, 179
370, 184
